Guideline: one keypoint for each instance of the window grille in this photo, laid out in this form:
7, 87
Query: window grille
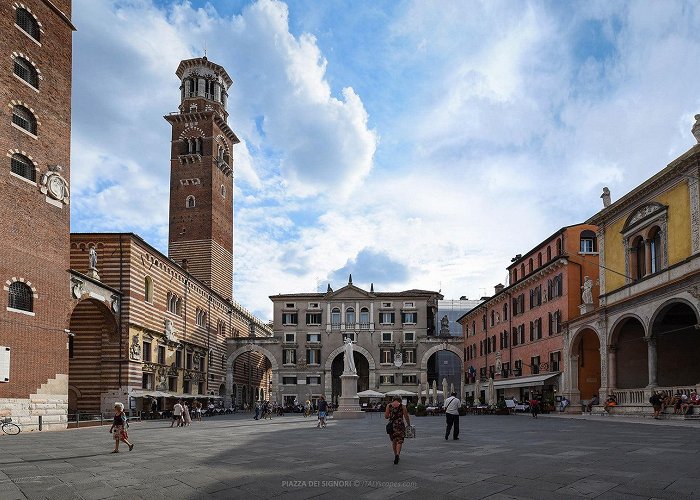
20, 296
24, 118
27, 22
22, 166
26, 72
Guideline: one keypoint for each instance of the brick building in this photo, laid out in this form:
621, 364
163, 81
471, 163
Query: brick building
516, 336
35, 98
159, 326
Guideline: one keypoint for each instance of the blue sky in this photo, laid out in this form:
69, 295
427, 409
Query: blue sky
412, 144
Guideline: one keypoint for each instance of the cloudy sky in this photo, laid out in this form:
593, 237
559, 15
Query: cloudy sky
413, 144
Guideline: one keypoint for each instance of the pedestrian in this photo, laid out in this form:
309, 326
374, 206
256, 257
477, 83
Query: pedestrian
452, 405
322, 412
119, 427
154, 408
177, 414
396, 413
257, 411
534, 406
186, 418
656, 401
198, 410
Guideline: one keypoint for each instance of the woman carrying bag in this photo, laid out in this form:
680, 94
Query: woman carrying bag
396, 413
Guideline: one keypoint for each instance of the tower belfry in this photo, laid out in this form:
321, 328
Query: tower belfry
201, 175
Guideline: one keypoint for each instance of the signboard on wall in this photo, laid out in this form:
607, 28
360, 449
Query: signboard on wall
4, 364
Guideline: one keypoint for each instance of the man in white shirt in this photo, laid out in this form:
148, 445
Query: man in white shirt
177, 414
452, 405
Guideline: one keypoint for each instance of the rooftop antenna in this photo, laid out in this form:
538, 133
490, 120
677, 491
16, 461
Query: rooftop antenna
205, 48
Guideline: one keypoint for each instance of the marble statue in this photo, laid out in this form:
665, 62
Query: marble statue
696, 128
349, 365
93, 258
587, 295
606, 197
169, 329
135, 348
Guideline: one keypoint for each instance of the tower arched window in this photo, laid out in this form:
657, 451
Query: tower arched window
26, 21
26, 72
505, 311
20, 297
559, 246
515, 275
522, 270
23, 166
364, 317
539, 259
24, 118
190, 202
198, 145
148, 289
529, 265
335, 317
350, 316
549, 254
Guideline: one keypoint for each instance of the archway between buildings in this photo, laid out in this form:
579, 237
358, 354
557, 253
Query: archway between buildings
337, 365
240, 393
585, 356
93, 343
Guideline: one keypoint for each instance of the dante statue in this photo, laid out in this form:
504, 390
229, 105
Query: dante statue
349, 365
93, 258
587, 295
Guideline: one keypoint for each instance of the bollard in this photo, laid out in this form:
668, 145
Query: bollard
77, 420
40, 422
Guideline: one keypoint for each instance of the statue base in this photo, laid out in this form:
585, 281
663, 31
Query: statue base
92, 273
348, 402
584, 308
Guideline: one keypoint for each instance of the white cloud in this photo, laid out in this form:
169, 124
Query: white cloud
506, 123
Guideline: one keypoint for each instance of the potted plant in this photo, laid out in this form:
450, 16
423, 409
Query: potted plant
420, 411
462, 410
501, 408
411, 408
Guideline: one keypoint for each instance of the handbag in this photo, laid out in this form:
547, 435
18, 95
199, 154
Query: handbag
389, 427
410, 431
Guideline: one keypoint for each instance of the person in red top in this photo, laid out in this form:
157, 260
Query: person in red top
534, 406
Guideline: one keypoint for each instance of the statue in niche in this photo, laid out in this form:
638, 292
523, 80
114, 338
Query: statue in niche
135, 350
92, 258
445, 325
587, 295
169, 330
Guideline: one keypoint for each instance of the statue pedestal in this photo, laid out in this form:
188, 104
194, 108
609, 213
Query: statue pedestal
584, 308
92, 273
348, 402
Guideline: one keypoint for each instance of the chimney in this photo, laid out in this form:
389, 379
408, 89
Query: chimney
498, 288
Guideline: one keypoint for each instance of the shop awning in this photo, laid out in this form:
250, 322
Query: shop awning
147, 393
531, 381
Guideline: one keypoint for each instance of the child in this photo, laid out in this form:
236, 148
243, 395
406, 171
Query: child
119, 426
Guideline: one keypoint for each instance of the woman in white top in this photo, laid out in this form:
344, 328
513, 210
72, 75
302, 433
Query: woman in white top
187, 420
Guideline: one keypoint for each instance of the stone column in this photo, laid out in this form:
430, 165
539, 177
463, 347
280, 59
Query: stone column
217, 92
200, 87
612, 367
229, 386
574, 393
651, 350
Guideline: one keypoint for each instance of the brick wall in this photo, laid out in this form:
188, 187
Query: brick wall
35, 233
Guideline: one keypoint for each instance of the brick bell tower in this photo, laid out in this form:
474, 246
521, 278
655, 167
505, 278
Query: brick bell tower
201, 175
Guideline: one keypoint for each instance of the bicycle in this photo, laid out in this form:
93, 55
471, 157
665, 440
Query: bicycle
9, 428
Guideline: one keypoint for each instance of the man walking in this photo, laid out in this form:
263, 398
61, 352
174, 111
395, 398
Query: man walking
177, 414
452, 405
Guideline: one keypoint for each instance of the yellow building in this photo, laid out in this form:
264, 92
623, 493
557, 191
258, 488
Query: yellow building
643, 335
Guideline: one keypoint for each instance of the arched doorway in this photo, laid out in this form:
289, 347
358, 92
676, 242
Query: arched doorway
251, 374
585, 352
222, 390
362, 366
631, 366
445, 365
93, 337
677, 345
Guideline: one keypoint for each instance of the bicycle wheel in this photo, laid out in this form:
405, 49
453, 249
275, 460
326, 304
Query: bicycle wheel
11, 429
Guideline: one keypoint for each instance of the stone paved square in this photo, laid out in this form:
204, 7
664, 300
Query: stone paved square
497, 457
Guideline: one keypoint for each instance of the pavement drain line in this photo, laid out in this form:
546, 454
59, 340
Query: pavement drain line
28, 479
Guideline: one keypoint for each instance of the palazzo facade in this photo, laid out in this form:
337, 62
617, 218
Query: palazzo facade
644, 334
394, 333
